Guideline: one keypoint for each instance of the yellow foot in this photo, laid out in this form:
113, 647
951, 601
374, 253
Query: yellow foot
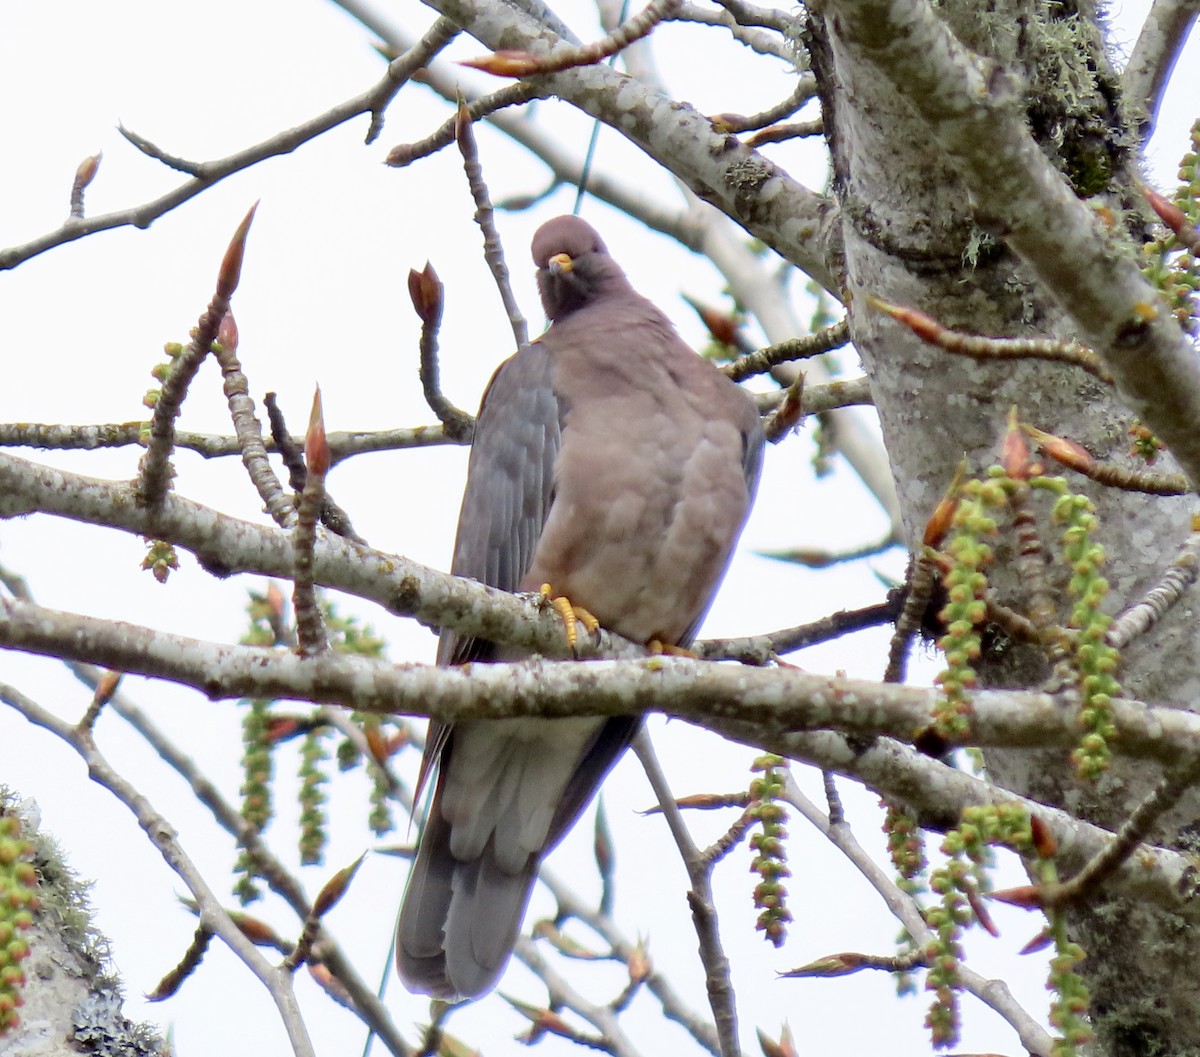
570, 614
660, 648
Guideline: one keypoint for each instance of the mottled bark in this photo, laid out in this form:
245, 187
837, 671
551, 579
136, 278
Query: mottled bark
914, 234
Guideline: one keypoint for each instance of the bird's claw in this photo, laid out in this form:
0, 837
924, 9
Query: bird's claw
660, 649
571, 615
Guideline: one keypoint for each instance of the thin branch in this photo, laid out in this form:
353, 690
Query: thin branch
247, 427
717, 980
783, 133
426, 291
570, 905
802, 348
762, 41
747, 14
821, 398
333, 517
311, 638
818, 558
84, 175
1165, 795
907, 911
213, 917
493, 250
209, 173
612, 1039
188, 964
852, 962
510, 63
978, 347
154, 468
1076, 457
1148, 71
404, 154
761, 649
342, 445
806, 89
779, 701
1144, 614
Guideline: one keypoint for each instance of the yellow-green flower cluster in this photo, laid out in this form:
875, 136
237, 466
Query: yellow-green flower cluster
770, 860
18, 900
966, 585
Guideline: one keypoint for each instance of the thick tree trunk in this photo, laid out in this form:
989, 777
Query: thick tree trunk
912, 237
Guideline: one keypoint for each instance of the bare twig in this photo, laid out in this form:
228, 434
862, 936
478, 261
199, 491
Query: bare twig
425, 289
311, 638
700, 899
206, 174
852, 962
570, 905
1077, 458
329, 896
1148, 71
482, 106
611, 1040
247, 427
1144, 614
213, 917
493, 251
982, 348
783, 133
102, 694
154, 470
761, 649
818, 558
1165, 795
188, 964
806, 89
907, 911
765, 42
801, 348
84, 175
342, 445
837, 814
747, 14
525, 64
333, 517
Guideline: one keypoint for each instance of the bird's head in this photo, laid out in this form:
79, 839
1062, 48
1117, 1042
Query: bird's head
574, 268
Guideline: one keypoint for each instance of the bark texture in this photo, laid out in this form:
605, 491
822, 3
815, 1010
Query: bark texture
914, 235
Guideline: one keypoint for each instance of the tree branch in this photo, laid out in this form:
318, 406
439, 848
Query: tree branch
371, 102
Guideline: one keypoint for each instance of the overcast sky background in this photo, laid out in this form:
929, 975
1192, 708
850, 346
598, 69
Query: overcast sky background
323, 299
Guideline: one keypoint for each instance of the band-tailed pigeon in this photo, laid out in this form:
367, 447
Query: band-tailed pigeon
614, 464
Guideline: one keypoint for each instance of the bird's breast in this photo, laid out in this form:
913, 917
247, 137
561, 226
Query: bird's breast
650, 495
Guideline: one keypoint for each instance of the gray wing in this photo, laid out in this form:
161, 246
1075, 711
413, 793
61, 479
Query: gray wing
510, 483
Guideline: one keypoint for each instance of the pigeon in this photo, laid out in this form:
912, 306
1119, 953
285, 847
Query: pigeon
615, 465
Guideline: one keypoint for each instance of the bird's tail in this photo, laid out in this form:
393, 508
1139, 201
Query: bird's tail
460, 919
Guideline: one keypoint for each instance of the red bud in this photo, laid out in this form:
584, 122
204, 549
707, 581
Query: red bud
507, 63
231, 265
316, 446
